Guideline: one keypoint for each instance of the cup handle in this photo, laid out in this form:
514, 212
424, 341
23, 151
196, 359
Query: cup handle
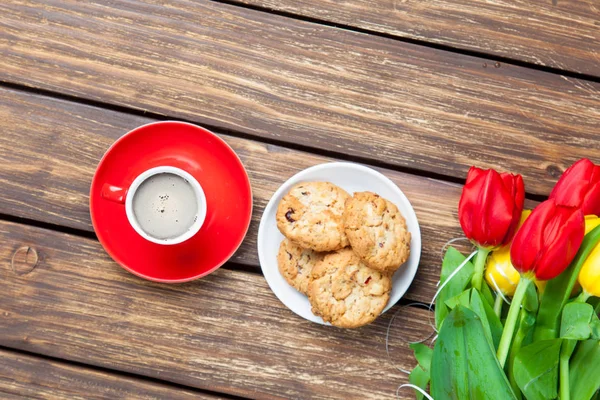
113, 193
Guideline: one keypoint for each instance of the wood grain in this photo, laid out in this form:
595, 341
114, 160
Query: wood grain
226, 333
554, 33
306, 84
49, 149
27, 377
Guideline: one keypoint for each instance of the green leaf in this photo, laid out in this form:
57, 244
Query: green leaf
595, 326
464, 364
423, 355
489, 319
452, 259
487, 294
420, 378
472, 299
420, 374
558, 290
595, 302
584, 370
536, 369
463, 299
575, 322
527, 324
531, 301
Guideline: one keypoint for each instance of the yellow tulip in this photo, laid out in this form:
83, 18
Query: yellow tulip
589, 275
500, 273
591, 222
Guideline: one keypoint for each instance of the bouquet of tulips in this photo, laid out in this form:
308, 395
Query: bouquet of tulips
518, 318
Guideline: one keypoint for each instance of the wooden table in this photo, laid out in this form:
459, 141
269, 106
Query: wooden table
419, 89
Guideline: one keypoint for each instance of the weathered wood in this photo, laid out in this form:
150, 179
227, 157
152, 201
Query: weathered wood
225, 333
555, 33
28, 377
288, 80
49, 150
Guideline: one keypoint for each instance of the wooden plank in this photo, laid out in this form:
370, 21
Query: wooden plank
226, 333
49, 149
554, 33
273, 77
28, 377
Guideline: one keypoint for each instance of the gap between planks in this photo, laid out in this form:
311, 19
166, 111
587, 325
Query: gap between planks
424, 43
230, 265
312, 84
108, 317
220, 131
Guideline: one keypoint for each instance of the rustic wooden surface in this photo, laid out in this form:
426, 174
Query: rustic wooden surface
286, 94
72, 137
225, 333
27, 376
560, 34
277, 78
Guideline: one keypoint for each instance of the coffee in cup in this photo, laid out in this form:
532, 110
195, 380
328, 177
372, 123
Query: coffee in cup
165, 205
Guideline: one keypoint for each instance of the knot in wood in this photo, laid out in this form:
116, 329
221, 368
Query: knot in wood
24, 260
554, 171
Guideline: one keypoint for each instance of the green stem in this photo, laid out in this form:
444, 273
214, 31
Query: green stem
583, 297
516, 346
521, 338
514, 349
479, 267
498, 305
565, 354
511, 320
564, 378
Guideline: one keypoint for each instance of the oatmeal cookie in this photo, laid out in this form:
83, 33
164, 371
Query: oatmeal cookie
310, 215
377, 231
347, 293
296, 264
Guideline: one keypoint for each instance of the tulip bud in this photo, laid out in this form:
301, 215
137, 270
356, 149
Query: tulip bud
591, 222
548, 240
499, 271
589, 275
490, 207
579, 186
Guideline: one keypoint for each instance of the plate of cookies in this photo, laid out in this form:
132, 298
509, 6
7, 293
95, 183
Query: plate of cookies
339, 243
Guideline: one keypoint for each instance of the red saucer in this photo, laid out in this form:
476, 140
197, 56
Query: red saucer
214, 165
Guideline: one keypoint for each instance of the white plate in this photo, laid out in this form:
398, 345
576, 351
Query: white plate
352, 178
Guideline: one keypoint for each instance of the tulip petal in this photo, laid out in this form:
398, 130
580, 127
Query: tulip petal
529, 240
579, 186
515, 185
488, 208
548, 240
591, 202
563, 240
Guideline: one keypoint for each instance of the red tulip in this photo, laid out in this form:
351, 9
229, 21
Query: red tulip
490, 206
579, 186
548, 240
